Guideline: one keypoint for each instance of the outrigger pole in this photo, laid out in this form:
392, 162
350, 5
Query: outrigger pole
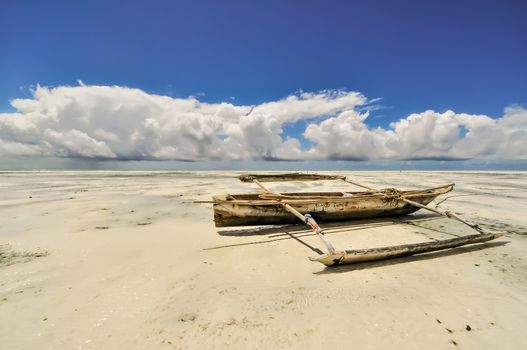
335, 257
307, 219
398, 195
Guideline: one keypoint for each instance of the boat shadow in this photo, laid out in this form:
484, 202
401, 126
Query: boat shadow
335, 226
407, 259
278, 237
298, 231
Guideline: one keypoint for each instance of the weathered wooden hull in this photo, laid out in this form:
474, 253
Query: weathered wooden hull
252, 209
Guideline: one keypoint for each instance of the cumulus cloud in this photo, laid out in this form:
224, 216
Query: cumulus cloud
426, 135
111, 122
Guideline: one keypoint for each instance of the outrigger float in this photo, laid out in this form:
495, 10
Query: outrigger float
269, 207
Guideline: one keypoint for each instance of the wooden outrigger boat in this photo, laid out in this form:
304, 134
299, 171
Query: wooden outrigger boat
269, 207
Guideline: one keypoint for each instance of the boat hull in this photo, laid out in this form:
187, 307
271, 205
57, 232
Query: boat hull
249, 211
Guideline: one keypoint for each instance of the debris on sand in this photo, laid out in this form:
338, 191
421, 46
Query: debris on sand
9, 257
187, 317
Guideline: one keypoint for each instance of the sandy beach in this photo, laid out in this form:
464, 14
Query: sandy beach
126, 260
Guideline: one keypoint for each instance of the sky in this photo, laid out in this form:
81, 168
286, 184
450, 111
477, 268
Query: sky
263, 80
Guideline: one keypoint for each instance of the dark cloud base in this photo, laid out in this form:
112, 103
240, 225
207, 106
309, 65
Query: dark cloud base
47, 163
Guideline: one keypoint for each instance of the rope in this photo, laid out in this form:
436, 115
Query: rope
392, 194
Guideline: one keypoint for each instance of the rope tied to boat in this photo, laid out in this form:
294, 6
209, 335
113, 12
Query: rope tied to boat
308, 219
392, 194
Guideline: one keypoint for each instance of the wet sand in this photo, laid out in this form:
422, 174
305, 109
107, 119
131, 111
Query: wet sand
115, 260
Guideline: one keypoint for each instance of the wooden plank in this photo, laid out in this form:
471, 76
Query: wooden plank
288, 177
314, 197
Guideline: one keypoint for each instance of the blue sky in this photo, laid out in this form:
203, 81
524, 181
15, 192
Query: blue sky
465, 56
468, 56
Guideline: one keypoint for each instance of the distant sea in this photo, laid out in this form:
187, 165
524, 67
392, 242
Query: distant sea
416, 165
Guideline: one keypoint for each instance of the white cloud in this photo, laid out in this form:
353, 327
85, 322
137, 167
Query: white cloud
111, 122
426, 135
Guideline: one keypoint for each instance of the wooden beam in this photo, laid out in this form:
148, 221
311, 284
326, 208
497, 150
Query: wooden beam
372, 254
307, 219
419, 205
288, 177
